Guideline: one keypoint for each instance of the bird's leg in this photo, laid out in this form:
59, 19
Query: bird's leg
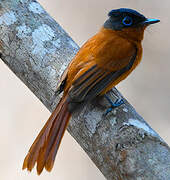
115, 104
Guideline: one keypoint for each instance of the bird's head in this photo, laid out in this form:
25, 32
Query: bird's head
128, 23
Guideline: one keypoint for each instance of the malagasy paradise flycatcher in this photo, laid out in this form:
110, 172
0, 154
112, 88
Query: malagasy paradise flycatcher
101, 63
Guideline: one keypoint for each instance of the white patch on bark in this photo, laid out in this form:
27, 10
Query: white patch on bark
91, 123
125, 109
40, 35
113, 121
140, 125
8, 18
23, 30
36, 8
114, 111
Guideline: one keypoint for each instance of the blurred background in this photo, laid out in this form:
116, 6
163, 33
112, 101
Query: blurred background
147, 89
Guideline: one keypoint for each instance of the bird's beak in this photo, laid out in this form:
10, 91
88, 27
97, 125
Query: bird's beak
149, 21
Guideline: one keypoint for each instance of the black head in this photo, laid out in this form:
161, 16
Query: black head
124, 18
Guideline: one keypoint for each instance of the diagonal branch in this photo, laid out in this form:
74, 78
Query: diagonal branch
37, 50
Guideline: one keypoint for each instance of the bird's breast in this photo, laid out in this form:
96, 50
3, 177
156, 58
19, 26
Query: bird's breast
110, 51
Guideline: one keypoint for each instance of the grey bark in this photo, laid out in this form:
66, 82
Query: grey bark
37, 50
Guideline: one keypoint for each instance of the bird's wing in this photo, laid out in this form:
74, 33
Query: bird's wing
96, 79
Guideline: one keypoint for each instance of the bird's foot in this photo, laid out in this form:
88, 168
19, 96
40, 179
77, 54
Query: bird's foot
114, 105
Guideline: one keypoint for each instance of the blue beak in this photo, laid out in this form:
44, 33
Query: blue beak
150, 21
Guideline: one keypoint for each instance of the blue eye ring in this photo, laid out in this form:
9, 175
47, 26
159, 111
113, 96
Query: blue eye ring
127, 21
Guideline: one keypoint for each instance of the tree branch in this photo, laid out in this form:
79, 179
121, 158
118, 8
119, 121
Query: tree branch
37, 50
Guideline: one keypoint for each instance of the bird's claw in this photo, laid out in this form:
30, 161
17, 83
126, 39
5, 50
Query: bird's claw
118, 102
114, 105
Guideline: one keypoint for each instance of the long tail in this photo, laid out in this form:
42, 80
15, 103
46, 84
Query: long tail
45, 146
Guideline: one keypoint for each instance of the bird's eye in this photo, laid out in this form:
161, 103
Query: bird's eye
127, 21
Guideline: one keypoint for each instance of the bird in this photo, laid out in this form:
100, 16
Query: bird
101, 63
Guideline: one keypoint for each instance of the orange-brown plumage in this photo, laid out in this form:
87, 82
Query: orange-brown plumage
109, 50
46, 144
101, 63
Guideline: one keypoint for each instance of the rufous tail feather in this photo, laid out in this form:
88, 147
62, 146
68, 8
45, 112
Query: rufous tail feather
45, 146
